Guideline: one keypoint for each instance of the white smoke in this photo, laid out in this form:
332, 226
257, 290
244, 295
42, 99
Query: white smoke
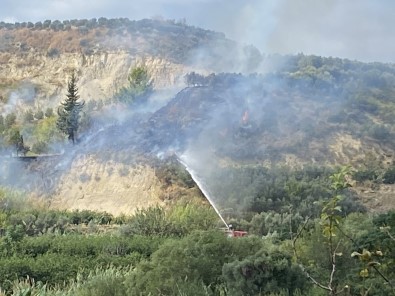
24, 95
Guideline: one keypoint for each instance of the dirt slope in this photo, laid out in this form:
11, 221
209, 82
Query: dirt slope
107, 186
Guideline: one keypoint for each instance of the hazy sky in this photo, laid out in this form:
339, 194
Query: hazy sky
355, 29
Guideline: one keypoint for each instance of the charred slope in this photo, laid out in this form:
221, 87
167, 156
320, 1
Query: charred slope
276, 118
171, 127
292, 117
245, 118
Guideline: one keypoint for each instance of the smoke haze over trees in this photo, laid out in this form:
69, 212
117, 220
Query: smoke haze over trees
296, 150
353, 29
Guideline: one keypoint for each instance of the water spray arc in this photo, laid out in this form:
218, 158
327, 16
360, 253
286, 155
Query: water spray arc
202, 188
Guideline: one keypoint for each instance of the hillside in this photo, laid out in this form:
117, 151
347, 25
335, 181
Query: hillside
199, 166
298, 111
36, 61
337, 113
38, 57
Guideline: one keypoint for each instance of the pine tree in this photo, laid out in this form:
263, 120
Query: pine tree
139, 88
69, 111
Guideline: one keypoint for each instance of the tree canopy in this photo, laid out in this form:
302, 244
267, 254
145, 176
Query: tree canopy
69, 111
139, 87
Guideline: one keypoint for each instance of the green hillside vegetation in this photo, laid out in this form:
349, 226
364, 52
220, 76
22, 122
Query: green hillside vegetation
180, 249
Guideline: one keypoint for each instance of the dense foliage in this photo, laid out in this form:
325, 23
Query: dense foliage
179, 250
138, 89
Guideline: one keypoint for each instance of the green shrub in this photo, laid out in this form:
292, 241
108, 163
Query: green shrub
180, 219
364, 175
9, 120
2, 126
49, 112
379, 132
12, 200
53, 52
46, 130
28, 116
389, 176
103, 282
139, 87
40, 147
39, 114
262, 273
209, 260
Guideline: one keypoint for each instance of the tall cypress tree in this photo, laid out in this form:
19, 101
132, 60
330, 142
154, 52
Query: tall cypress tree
69, 111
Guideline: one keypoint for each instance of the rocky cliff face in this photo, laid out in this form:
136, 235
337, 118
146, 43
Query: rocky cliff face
103, 52
101, 74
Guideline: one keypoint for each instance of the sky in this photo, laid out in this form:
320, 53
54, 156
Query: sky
355, 29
